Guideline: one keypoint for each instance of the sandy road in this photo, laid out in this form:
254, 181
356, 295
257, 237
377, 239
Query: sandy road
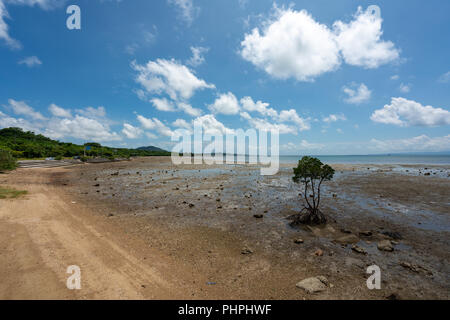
44, 232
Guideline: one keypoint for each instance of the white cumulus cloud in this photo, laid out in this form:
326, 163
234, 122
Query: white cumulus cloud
422, 143
59, 112
226, 103
334, 118
198, 57
403, 112
21, 108
163, 104
156, 125
262, 107
188, 11
169, 77
292, 44
357, 94
212, 126
81, 128
31, 61
130, 131
360, 40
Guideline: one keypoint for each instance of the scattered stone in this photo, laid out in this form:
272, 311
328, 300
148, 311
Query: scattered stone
334, 195
246, 250
385, 245
298, 241
258, 216
348, 239
343, 230
265, 211
393, 235
97, 185
358, 249
318, 253
110, 215
427, 174
365, 233
191, 205
218, 199
313, 284
415, 268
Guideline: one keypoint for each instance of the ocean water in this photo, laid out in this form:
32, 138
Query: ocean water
377, 159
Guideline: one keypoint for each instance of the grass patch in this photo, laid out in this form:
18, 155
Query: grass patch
7, 193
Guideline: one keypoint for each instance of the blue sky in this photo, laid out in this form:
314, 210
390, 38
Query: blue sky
334, 77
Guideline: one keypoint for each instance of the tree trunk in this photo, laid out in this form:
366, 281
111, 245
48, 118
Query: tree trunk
310, 216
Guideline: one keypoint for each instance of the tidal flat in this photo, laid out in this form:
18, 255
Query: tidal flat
231, 224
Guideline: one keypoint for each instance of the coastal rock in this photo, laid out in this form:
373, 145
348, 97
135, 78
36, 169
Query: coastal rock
392, 235
318, 253
385, 245
313, 284
415, 268
348, 239
358, 249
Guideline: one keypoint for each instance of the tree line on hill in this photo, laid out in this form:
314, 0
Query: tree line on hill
18, 144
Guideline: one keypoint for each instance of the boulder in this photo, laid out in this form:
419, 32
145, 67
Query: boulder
385, 245
318, 252
347, 239
313, 284
358, 249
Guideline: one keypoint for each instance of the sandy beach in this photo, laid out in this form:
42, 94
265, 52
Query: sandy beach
146, 229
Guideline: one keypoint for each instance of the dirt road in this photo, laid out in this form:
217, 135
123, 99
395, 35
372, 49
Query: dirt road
44, 232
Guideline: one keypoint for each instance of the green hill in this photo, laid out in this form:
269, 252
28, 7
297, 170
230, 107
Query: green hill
31, 146
150, 148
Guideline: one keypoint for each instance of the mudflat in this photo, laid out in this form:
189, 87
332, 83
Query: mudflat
145, 229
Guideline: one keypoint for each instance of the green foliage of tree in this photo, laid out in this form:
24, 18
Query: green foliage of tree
28, 145
7, 161
311, 172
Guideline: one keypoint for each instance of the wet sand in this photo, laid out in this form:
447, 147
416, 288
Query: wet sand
197, 220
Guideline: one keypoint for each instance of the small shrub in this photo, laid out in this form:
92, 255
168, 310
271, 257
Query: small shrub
7, 161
